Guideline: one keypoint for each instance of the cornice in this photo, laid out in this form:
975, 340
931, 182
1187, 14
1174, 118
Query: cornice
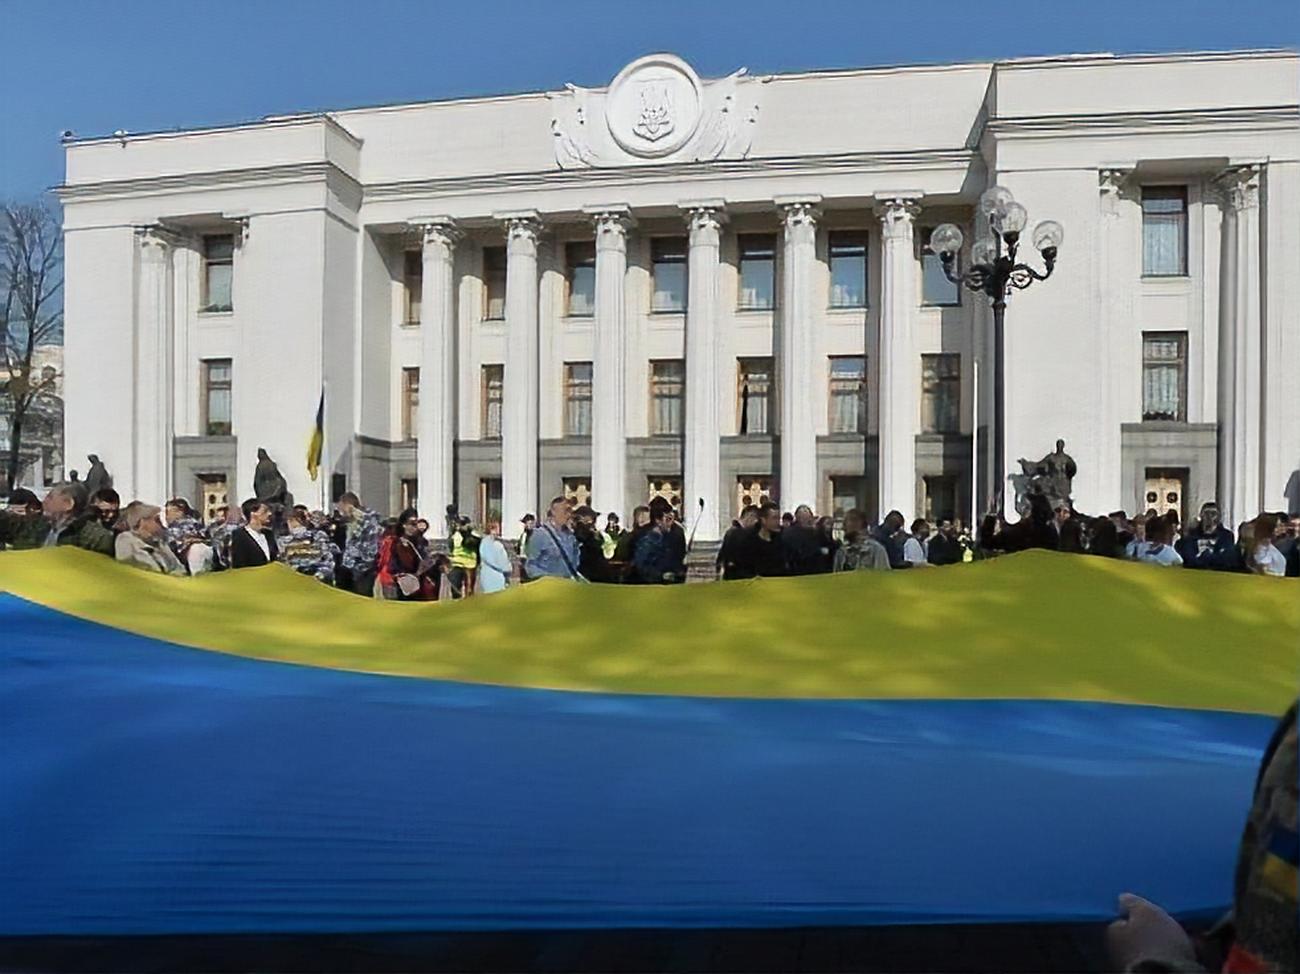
303, 172
1268, 116
955, 159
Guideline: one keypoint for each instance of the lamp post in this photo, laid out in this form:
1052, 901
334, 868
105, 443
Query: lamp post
995, 272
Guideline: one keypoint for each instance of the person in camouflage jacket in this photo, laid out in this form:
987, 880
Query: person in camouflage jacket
64, 520
187, 537
361, 550
307, 550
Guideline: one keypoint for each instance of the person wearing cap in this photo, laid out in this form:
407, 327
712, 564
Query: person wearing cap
529, 525
592, 563
23, 504
1208, 545
464, 544
144, 542
64, 520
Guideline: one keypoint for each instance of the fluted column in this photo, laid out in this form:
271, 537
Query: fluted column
154, 400
703, 391
519, 408
608, 381
898, 365
798, 353
436, 423
1240, 362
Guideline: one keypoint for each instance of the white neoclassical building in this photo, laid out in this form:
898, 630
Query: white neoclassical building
713, 289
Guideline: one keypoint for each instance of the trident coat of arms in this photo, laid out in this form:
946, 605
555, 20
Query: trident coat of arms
656, 118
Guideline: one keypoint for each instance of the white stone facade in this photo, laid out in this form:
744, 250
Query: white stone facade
321, 212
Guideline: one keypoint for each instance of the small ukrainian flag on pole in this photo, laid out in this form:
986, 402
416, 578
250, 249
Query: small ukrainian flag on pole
317, 444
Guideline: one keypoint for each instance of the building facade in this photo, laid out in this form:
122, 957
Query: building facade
713, 290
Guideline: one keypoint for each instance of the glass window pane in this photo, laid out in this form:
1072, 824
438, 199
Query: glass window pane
667, 386
414, 284
1164, 377
941, 393
848, 260
221, 247
1164, 231
757, 270
493, 381
581, 268
754, 386
577, 399
219, 285
668, 267
494, 283
848, 394
936, 289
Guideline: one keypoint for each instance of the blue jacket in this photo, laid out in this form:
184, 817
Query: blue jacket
546, 557
1217, 552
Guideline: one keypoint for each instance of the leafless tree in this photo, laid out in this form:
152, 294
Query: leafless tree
31, 279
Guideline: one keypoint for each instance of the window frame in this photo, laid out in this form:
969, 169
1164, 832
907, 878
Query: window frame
410, 409
1181, 362
680, 397
1172, 191
924, 251
955, 379
569, 267
746, 247
208, 262
573, 397
657, 243
769, 425
485, 398
865, 237
412, 305
205, 412
488, 279
863, 411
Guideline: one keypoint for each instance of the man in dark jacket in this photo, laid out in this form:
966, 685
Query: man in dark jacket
944, 548
591, 549
805, 550
893, 537
64, 520
253, 544
762, 554
655, 561
734, 540
1208, 545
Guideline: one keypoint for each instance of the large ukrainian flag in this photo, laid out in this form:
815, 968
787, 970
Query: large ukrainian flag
253, 752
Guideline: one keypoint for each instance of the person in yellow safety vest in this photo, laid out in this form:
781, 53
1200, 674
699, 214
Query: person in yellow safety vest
529, 523
464, 559
609, 537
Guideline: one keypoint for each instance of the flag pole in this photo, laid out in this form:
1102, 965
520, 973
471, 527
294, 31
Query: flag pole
325, 468
975, 448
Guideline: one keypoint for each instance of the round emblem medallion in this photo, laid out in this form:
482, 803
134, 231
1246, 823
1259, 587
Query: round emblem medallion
653, 106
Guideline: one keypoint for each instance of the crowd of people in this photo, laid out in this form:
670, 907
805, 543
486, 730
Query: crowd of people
354, 548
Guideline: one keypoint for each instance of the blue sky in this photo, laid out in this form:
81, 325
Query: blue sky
94, 66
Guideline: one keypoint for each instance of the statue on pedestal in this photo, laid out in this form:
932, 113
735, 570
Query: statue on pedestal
269, 485
1052, 477
98, 478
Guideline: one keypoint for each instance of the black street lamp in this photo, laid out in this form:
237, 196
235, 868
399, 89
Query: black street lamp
994, 271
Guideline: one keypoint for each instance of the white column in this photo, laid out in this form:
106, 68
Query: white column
1118, 265
703, 389
898, 366
436, 423
609, 381
519, 408
798, 360
152, 453
1240, 348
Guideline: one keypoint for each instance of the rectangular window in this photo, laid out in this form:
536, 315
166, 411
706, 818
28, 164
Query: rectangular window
757, 271
847, 493
754, 395
494, 283
941, 393
216, 397
936, 289
940, 496
410, 493
489, 501
580, 270
1164, 376
848, 259
848, 394
668, 267
577, 398
410, 403
218, 271
413, 285
1164, 231
493, 382
667, 391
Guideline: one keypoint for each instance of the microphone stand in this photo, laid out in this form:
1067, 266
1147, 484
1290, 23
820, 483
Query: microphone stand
690, 542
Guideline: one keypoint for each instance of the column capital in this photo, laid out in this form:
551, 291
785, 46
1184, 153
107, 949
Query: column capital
799, 210
1239, 186
520, 225
706, 214
613, 219
1113, 182
896, 212
156, 236
437, 230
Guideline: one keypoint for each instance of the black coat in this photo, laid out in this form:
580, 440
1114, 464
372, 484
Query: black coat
756, 558
246, 553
